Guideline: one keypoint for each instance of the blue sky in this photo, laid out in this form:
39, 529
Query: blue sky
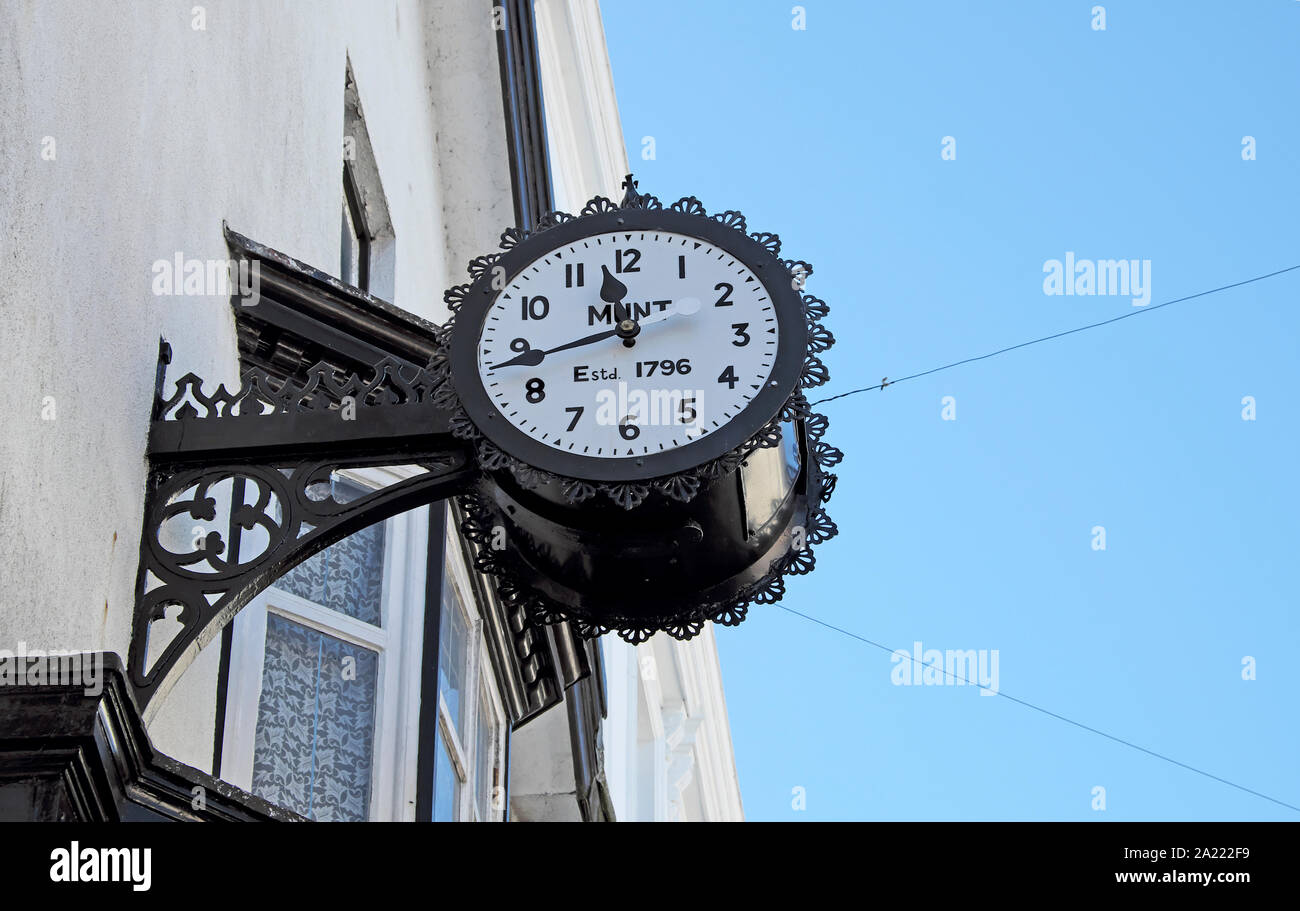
976, 533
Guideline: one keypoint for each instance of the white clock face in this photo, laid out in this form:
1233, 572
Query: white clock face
704, 337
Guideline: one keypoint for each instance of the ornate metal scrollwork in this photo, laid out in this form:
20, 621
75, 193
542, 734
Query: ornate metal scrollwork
239, 491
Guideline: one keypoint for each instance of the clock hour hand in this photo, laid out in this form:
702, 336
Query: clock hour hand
612, 291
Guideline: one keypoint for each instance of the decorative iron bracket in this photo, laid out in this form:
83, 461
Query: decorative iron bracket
239, 491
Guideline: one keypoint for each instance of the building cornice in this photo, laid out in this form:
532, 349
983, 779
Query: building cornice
82, 754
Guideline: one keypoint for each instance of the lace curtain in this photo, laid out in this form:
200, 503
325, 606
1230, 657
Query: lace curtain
314, 743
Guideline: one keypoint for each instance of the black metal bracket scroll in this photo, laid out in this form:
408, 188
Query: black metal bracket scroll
239, 491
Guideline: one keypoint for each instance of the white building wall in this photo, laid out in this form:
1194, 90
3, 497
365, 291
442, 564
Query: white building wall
667, 740
161, 131
129, 134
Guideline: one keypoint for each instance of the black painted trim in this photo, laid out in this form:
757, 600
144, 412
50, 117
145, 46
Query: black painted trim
521, 89
364, 235
305, 315
87, 757
223, 687
426, 769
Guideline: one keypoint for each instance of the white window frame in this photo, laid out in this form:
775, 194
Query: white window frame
399, 644
380, 239
479, 679
487, 684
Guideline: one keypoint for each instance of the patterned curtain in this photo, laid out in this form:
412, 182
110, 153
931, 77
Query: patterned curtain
314, 746
315, 723
347, 577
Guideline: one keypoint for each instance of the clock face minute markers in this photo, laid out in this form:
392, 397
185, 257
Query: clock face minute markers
627, 343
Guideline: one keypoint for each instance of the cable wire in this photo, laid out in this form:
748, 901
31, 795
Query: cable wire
1048, 712
1030, 705
1048, 338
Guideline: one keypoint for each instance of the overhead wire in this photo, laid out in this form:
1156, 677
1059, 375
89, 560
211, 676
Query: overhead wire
1056, 335
1037, 708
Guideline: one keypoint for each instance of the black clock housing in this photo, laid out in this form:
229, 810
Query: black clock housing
658, 541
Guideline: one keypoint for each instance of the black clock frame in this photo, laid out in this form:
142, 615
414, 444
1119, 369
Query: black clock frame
792, 341
679, 473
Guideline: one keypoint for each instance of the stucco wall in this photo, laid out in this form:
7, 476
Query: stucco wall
160, 132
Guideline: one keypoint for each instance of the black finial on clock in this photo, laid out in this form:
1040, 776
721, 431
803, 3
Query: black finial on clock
631, 197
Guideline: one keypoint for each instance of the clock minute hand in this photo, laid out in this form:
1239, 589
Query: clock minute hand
534, 356
530, 358
612, 291
585, 340
686, 306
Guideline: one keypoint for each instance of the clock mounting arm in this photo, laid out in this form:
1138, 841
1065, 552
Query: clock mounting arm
242, 486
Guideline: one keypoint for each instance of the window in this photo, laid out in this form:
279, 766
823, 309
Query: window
325, 673
367, 241
323, 706
767, 477
469, 772
354, 244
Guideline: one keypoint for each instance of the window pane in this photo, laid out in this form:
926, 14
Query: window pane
347, 577
349, 248
790, 445
314, 747
486, 759
446, 784
453, 655
767, 477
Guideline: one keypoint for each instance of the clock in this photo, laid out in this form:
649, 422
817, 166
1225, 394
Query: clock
636, 358
624, 348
